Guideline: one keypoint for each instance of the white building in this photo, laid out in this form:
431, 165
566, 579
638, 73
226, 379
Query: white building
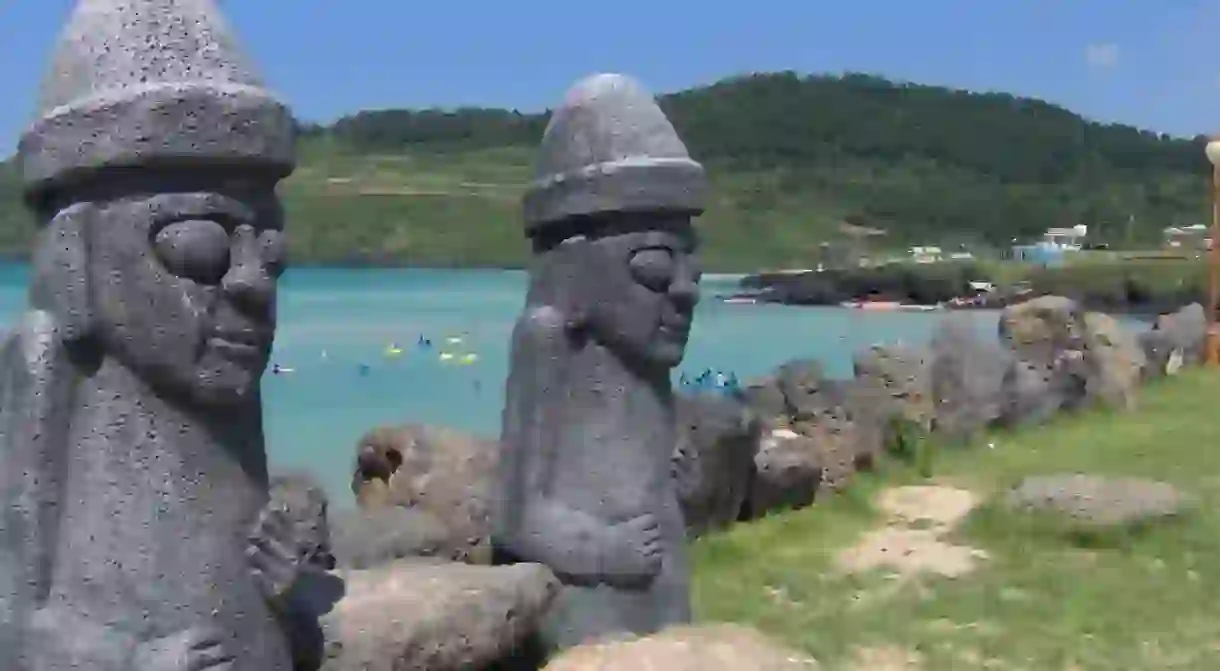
1191, 237
926, 254
1066, 239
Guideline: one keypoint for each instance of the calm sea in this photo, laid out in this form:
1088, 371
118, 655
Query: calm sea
350, 338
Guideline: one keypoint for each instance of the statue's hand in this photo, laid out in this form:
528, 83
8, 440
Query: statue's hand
632, 556
194, 649
275, 562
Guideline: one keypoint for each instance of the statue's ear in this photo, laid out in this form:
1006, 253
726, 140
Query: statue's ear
60, 283
573, 292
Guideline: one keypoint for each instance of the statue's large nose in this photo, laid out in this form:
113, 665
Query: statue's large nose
685, 289
247, 281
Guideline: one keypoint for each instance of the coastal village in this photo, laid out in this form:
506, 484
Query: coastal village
860, 253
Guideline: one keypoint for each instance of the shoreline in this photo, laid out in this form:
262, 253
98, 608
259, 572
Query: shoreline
1147, 312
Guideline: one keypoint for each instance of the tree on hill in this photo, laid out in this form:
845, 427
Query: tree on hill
791, 157
922, 160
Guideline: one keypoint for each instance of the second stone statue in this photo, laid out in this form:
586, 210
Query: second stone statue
584, 484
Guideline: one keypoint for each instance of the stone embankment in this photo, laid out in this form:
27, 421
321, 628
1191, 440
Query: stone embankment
416, 553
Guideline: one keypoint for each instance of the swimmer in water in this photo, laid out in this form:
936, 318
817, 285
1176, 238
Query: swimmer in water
364, 369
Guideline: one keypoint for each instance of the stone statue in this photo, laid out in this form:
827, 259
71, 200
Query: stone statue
584, 482
136, 532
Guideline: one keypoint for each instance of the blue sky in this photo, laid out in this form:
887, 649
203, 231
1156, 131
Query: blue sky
1141, 62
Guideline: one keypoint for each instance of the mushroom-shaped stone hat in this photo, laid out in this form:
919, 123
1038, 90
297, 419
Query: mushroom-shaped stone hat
610, 148
151, 83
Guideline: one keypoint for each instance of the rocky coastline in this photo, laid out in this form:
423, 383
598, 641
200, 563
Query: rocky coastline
788, 440
949, 287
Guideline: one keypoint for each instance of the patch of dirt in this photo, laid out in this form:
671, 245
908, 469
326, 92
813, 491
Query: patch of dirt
942, 506
712, 647
911, 542
887, 658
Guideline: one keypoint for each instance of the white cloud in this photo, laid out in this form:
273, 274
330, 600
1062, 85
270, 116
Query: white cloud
1101, 55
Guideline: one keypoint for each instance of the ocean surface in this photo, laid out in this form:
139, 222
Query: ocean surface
338, 329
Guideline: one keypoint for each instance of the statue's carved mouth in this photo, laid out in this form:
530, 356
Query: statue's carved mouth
239, 344
679, 328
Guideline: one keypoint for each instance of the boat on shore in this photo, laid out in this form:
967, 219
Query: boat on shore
890, 306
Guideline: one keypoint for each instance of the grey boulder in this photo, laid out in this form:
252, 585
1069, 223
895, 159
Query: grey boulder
966, 374
1096, 501
787, 473
442, 473
364, 539
434, 616
1118, 362
713, 462
1050, 366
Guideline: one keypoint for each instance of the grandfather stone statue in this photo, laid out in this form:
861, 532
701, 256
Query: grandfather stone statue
136, 533
584, 482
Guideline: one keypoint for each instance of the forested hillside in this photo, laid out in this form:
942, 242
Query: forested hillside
791, 157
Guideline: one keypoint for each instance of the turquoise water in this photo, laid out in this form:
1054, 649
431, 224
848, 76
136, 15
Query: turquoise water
334, 320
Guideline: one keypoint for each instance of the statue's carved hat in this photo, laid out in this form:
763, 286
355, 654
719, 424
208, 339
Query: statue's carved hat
151, 82
610, 148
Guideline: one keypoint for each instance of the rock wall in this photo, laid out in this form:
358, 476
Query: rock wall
788, 440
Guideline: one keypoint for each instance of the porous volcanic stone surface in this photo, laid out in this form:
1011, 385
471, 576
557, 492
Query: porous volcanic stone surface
1097, 500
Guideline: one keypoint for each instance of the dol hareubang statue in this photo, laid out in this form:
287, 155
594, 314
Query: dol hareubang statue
136, 533
584, 483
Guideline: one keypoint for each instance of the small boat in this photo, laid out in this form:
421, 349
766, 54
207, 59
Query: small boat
889, 306
920, 308
739, 300
872, 305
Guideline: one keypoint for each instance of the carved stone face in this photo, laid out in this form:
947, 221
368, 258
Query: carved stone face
641, 293
182, 272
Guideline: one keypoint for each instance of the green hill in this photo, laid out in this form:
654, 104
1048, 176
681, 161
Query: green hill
791, 158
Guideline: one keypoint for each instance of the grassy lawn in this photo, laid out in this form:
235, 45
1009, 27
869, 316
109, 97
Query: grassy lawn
1042, 599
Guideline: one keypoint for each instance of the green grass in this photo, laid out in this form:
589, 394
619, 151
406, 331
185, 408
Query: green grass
1145, 598
463, 208
431, 206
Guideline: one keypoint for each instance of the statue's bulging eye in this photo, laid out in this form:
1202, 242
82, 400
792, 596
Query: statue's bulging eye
196, 249
653, 268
